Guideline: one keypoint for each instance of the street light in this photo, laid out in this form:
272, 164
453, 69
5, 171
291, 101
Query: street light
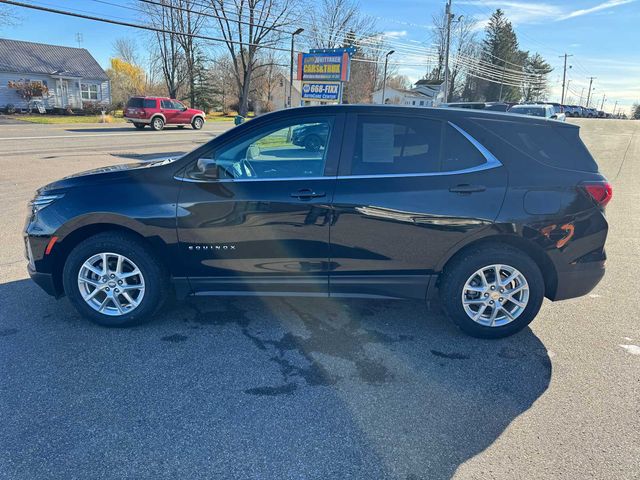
384, 81
297, 32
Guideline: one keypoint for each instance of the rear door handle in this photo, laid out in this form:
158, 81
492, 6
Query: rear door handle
306, 194
466, 188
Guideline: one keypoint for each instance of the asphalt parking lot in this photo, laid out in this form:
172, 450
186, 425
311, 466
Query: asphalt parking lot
310, 388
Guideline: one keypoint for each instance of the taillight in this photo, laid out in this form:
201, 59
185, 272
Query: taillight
600, 192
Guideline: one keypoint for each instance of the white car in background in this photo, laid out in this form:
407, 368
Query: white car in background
544, 111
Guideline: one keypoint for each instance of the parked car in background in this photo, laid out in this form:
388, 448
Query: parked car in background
487, 212
492, 106
157, 112
535, 110
573, 111
311, 137
590, 112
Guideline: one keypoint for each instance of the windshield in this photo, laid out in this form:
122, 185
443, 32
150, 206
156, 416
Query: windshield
534, 111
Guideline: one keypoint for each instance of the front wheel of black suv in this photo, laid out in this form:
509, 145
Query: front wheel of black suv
493, 292
113, 280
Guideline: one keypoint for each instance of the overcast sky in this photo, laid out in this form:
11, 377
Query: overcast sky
602, 35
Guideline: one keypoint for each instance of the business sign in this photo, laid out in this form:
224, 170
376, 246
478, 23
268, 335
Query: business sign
328, 66
328, 91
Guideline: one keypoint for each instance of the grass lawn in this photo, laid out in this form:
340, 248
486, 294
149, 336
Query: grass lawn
61, 119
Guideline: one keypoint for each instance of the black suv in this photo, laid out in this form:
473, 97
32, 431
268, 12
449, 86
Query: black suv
489, 212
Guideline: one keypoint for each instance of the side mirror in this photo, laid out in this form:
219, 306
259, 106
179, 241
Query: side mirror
207, 168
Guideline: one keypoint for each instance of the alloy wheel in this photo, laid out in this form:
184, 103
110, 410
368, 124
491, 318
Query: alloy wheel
495, 295
111, 284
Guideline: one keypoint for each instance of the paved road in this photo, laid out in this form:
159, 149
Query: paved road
299, 388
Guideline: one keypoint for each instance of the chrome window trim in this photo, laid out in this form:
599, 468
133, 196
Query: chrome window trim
491, 162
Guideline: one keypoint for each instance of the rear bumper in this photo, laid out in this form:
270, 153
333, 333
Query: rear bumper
579, 280
145, 121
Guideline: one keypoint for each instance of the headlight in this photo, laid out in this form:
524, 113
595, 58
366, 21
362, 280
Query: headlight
42, 201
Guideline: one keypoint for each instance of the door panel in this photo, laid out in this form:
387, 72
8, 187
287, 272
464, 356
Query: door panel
389, 232
263, 225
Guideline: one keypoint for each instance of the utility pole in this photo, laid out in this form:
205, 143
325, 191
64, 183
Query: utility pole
603, 98
449, 17
614, 107
293, 36
384, 80
79, 39
591, 79
502, 82
564, 75
581, 97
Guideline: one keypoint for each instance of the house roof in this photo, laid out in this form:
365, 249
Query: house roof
429, 83
27, 57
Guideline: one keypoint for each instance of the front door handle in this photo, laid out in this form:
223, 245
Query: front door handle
465, 188
306, 194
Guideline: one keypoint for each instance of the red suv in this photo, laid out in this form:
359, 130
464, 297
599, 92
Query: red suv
160, 111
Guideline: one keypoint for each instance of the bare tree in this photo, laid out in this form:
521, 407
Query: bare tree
8, 16
462, 46
190, 21
247, 26
126, 49
169, 56
331, 21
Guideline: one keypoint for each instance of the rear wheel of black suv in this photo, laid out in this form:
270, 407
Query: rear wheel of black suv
493, 292
113, 280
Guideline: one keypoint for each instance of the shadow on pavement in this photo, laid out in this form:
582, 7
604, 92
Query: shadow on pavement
147, 156
127, 128
255, 388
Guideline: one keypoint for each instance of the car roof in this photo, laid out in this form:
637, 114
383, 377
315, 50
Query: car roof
448, 114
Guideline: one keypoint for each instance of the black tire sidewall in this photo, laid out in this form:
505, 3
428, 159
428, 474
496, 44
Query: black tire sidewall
154, 278
459, 272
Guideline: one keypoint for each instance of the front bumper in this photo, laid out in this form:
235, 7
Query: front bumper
44, 281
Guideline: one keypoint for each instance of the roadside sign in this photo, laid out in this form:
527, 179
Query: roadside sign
332, 66
327, 91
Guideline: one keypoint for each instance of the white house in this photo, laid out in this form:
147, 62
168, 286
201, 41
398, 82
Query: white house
71, 75
423, 94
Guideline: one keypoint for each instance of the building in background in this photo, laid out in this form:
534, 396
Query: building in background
425, 93
68, 77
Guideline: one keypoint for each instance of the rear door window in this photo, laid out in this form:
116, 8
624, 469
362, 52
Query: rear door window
396, 145
458, 152
167, 104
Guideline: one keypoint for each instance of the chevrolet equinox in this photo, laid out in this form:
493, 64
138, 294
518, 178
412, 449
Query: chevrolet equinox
488, 212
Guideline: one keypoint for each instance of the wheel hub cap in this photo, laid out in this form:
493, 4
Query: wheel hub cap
495, 295
111, 284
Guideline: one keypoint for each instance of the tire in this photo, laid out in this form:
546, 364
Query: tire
152, 278
312, 143
463, 268
197, 123
139, 126
157, 124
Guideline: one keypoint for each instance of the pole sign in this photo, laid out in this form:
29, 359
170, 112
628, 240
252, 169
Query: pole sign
325, 91
329, 66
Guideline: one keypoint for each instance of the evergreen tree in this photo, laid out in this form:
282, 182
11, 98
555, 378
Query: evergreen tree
500, 48
537, 67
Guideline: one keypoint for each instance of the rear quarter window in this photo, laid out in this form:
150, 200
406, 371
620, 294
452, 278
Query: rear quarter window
150, 103
553, 145
135, 102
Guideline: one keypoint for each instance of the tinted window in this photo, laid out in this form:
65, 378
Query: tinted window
135, 102
178, 105
168, 104
150, 103
458, 152
551, 145
387, 145
293, 150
